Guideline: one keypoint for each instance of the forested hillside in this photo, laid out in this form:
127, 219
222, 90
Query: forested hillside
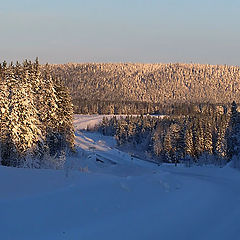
209, 136
36, 127
128, 84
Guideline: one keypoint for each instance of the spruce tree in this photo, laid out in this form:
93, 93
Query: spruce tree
34, 110
234, 135
64, 113
208, 144
3, 111
189, 144
167, 145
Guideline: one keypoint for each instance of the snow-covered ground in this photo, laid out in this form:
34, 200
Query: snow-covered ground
84, 121
87, 121
107, 194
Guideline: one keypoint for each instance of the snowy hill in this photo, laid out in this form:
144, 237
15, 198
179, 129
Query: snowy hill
106, 194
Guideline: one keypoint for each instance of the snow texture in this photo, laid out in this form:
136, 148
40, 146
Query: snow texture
106, 194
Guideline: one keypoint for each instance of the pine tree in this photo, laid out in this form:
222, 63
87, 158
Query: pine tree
64, 113
11, 137
180, 148
189, 145
167, 145
3, 110
208, 144
221, 144
22, 119
34, 110
198, 136
234, 135
157, 142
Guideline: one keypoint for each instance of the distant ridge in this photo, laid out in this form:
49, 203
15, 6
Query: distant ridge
159, 83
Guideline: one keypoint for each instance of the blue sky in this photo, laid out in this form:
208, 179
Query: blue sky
58, 31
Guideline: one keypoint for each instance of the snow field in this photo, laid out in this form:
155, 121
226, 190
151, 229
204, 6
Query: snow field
119, 198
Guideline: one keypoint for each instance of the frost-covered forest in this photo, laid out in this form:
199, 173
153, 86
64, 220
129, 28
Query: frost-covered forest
36, 131
209, 135
36, 127
126, 88
36, 110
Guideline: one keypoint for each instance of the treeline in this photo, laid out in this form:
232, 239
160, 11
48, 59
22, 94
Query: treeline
36, 127
165, 84
85, 106
209, 136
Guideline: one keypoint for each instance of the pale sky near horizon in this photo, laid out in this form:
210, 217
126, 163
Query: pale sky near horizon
149, 31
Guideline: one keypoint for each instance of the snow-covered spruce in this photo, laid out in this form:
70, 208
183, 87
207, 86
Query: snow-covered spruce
204, 137
36, 127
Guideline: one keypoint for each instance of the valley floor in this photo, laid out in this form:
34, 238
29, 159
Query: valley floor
105, 193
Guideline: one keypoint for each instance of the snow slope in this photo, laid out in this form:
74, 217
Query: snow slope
118, 197
83, 121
